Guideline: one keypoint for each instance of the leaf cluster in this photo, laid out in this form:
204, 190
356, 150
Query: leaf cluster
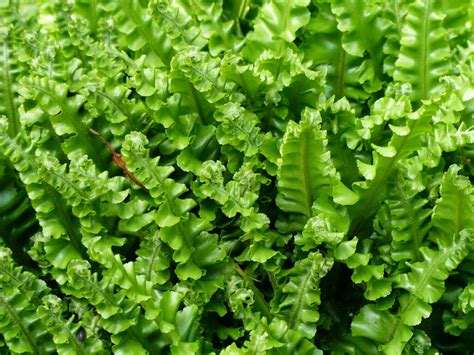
236, 177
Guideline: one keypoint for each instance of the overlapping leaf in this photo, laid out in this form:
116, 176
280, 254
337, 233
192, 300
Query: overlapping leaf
425, 282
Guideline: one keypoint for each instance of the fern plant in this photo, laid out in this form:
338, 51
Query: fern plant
236, 177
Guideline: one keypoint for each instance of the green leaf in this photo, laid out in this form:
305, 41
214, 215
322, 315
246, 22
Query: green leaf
424, 53
300, 295
277, 20
347, 75
64, 114
80, 196
141, 34
380, 173
202, 71
201, 148
238, 128
328, 226
345, 249
305, 171
20, 324
65, 330
409, 215
194, 248
243, 190
153, 260
119, 316
454, 209
394, 13
165, 191
381, 327
179, 176
362, 26
8, 75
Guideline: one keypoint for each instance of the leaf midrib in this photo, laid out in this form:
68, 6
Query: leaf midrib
14, 124
306, 175
301, 293
424, 51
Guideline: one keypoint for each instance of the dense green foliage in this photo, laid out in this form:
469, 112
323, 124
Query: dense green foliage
236, 177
